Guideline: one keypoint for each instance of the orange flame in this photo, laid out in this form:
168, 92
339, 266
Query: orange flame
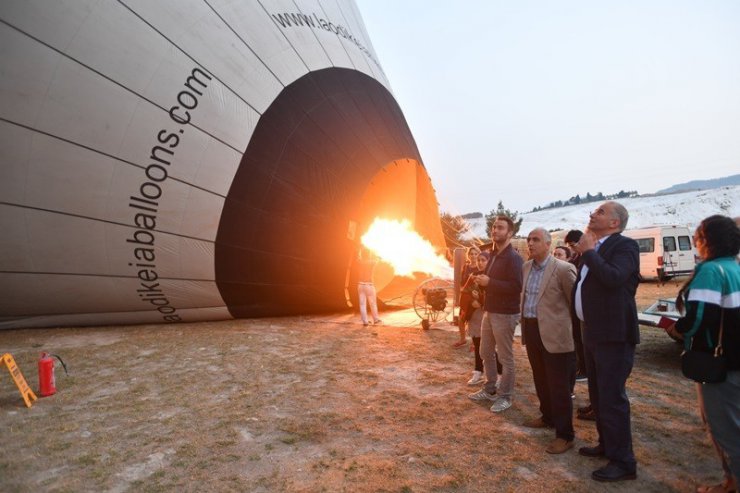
404, 249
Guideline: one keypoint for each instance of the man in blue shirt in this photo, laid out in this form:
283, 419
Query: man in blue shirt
548, 337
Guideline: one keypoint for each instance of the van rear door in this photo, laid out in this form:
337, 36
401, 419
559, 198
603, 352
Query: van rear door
686, 260
678, 253
670, 255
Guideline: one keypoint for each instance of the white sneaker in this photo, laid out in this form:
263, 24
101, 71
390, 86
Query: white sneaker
481, 395
501, 404
476, 378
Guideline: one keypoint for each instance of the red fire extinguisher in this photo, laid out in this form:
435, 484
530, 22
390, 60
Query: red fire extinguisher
47, 381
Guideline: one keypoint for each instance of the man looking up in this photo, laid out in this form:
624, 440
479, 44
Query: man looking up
503, 282
604, 301
548, 336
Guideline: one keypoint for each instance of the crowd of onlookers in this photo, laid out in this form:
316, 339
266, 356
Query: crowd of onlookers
575, 304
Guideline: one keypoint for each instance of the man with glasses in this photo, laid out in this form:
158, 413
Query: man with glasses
547, 335
604, 300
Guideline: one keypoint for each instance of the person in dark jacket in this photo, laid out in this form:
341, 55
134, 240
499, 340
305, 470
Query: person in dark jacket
470, 266
712, 298
472, 300
604, 301
575, 258
586, 412
503, 283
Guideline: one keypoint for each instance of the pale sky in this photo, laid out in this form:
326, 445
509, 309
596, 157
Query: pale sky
531, 101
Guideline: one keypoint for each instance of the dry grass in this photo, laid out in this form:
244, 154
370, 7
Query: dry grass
314, 404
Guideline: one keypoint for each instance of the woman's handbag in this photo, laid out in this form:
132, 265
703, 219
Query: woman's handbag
705, 367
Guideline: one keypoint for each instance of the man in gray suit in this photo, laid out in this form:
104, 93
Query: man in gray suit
548, 336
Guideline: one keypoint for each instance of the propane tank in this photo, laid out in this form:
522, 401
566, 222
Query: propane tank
47, 382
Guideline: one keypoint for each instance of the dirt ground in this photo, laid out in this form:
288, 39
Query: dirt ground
316, 404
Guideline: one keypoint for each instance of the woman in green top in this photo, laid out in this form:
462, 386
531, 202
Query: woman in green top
712, 298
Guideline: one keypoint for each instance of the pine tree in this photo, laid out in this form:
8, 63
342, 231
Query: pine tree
503, 211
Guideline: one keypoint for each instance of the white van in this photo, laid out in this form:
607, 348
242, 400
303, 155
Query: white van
665, 251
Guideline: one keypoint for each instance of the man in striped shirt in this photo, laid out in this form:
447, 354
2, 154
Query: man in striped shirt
548, 336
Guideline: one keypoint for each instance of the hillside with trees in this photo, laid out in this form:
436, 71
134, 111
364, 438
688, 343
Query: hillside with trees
577, 199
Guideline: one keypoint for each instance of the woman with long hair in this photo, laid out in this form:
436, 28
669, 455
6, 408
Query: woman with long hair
471, 314
711, 299
470, 266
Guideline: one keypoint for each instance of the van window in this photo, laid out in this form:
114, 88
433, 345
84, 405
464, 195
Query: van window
669, 243
646, 245
684, 243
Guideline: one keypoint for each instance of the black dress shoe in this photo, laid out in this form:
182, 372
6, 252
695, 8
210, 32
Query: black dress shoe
613, 472
587, 416
597, 451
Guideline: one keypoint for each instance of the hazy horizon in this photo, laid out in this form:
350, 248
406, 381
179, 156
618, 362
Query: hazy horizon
531, 102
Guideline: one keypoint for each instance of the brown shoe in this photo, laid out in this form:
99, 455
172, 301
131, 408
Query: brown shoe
536, 423
558, 446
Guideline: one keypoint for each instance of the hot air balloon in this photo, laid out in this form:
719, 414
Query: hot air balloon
183, 160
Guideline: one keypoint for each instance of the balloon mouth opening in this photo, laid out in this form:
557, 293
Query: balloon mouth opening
404, 235
292, 220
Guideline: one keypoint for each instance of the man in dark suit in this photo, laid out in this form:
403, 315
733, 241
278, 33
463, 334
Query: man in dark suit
604, 300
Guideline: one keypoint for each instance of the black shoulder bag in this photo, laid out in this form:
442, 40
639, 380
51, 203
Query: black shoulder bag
704, 367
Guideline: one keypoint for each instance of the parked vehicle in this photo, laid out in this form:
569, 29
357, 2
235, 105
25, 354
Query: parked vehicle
665, 251
660, 314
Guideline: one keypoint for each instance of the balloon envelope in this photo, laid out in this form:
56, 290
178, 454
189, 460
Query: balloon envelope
181, 160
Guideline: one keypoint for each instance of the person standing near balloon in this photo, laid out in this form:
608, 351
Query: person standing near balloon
503, 283
711, 298
575, 258
604, 300
470, 266
561, 253
547, 336
471, 314
366, 262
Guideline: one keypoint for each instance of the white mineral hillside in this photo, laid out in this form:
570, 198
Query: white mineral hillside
686, 208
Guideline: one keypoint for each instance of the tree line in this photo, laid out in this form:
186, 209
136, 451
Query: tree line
577, 199
454, 227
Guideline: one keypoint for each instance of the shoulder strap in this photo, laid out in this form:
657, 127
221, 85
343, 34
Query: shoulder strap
718, 349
